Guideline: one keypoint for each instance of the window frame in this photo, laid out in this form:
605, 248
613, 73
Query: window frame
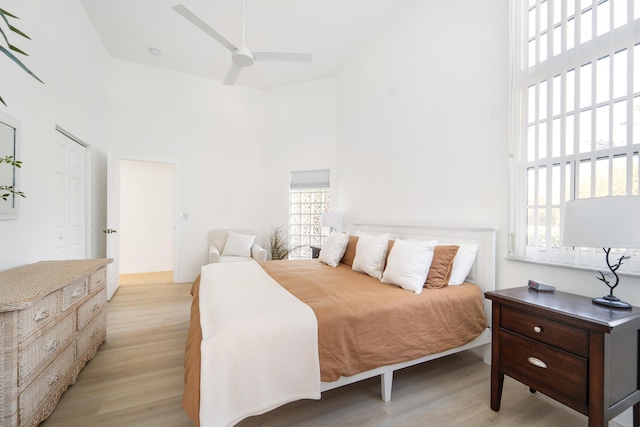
315, 186
299, 242
559, 60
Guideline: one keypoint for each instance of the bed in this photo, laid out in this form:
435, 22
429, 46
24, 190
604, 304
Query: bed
364, 328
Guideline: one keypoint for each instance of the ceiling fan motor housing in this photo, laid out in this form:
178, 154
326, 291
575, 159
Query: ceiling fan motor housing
242, 56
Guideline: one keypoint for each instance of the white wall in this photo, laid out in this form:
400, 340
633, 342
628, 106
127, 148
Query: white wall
147, 216
299, 133
213, 133
66, 53
422, 131
422, 118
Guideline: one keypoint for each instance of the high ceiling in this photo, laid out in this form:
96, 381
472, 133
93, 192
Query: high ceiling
332, 30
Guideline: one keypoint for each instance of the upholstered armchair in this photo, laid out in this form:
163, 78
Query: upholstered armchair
227, 245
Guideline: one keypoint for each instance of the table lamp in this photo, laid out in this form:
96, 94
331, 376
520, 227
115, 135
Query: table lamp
604, 222
331, 219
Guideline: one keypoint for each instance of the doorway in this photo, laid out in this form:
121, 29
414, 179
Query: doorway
147, 216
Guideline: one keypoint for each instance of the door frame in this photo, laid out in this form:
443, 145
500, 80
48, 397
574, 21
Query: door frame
116, 156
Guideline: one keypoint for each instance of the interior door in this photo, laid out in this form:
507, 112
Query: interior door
71, 198
113, 223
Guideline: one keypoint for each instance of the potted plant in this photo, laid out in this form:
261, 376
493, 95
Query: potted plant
279, 244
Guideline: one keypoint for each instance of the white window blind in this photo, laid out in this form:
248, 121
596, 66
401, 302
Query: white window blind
575, 118
310, 179
309, 196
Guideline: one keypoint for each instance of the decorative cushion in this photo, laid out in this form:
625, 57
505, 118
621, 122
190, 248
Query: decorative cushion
370, 254
238, 244
408, 264
350, 251
389, 247
333, 249
462, 263
441, 266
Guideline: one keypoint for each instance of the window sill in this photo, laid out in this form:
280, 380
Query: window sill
572, 267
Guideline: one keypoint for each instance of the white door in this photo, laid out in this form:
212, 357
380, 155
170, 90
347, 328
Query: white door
71, 198
113, 223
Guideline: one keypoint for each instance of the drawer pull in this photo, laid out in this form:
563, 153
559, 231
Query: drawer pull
95, 307
537, 362
40, 315
53, 345
94, 333
53, 379
537, 329
76, 293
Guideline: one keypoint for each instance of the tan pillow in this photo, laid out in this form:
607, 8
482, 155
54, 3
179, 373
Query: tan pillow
386, 259
440, 270
350, 252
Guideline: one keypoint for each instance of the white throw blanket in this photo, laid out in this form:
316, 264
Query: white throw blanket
259, 344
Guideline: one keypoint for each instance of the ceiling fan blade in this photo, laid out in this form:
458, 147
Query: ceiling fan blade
283, 56
232, 75
195, 20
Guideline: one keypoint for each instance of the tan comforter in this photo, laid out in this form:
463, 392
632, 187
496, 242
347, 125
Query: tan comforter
362, 323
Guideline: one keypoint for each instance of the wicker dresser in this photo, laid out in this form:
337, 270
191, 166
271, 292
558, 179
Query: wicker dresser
52, 321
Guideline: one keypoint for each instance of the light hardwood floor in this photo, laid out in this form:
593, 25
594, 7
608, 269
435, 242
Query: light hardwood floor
136, 380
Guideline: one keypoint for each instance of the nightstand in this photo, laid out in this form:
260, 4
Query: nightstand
315, 251
578, 353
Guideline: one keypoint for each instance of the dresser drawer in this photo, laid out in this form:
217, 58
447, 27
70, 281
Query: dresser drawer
44, 348
556, 334
89, 309
72, 293
559, 374
49, 384
98, 279
34, 317
94, 334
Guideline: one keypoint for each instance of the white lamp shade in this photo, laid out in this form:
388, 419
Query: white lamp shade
602, 222
332, 219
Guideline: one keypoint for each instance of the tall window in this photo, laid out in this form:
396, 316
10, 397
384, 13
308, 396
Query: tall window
576, 117
308, 198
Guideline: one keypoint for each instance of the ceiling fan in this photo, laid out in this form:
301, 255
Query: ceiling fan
240, 56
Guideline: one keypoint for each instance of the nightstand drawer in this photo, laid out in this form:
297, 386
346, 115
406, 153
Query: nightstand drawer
554, 372
556, 334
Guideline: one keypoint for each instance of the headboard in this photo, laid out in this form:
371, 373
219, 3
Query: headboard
483, 272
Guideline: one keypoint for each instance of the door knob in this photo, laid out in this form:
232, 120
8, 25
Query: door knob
109, 231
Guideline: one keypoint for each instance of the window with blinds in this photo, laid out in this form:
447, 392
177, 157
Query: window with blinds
576, 117
309, 196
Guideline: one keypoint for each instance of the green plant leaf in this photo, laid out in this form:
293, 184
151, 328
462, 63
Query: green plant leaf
18, 50
17, 31
20, 64
4, 12
3, 15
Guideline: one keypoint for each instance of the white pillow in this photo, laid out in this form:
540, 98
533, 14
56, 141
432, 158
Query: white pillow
408, 264
462, 263
333, 249
238, 244
370, 254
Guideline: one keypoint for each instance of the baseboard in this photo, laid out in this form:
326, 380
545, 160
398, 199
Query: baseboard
150, 268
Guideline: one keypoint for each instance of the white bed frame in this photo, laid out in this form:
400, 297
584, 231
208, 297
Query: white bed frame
483, 274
